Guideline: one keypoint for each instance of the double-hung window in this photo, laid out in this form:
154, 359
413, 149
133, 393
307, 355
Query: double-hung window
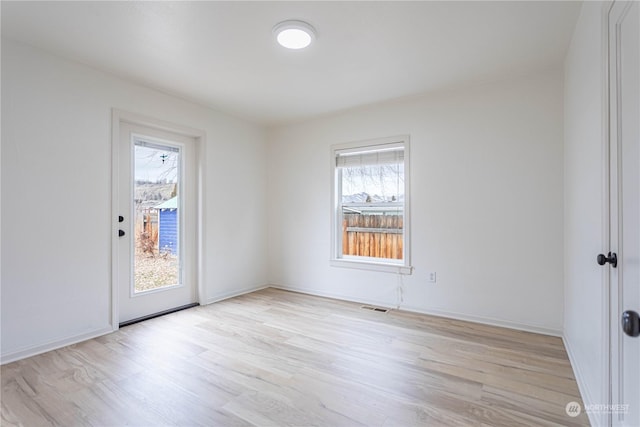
370, 212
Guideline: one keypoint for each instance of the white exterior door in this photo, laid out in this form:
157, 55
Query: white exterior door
624, 106
157, 216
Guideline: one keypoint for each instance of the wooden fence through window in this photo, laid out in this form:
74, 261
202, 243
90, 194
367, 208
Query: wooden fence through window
146, 230
377, 236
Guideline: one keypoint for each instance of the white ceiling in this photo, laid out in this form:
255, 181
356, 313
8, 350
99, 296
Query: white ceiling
223, 54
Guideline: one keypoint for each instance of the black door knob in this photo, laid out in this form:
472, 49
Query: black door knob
120, 233
120, 218
611, 258
631, 323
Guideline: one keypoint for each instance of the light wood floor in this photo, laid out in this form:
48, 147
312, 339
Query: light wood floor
276, 358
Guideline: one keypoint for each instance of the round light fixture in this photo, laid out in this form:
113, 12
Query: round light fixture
294, 34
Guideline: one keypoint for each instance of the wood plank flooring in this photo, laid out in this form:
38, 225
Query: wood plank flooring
277, 358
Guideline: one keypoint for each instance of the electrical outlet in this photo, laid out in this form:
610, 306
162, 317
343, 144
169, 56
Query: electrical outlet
431, 278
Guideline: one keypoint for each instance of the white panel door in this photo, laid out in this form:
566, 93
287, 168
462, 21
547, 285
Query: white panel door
157, 214
624, 90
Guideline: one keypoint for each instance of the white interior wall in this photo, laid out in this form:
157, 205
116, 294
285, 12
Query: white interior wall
584, 311
486, 181
56, 195
486, 194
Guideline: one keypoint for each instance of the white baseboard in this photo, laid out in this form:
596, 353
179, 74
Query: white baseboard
585, 391
318, 293
543, 330
235, 293
432, 312
23, 353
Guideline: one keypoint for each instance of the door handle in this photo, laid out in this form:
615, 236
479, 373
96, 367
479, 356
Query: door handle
120, 232
631, 323
611, 258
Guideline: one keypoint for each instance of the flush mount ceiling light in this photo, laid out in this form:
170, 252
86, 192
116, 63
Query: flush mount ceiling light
294, 34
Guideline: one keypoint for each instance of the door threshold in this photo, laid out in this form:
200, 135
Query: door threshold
158, 314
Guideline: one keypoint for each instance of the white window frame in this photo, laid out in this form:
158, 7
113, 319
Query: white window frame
402, 266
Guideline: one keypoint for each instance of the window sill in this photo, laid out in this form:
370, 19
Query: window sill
372, 266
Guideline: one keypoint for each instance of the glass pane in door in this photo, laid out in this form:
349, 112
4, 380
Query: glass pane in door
157, 204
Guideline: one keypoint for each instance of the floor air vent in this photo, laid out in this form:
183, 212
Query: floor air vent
378, 309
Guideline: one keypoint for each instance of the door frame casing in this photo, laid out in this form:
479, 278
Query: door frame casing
605, 418
611, 294
199, 136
